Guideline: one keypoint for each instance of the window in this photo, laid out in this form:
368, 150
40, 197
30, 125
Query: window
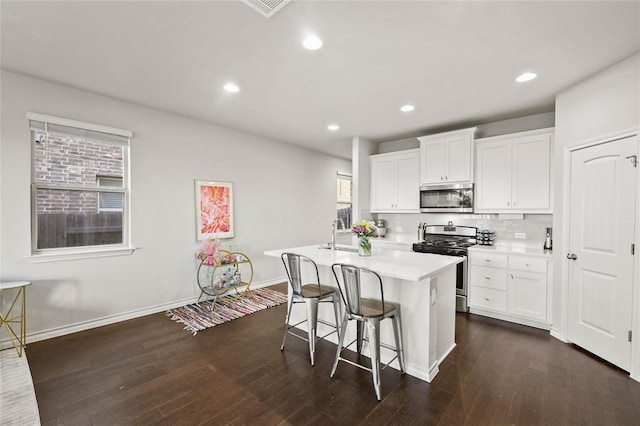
79, 186
110, 201
344, 199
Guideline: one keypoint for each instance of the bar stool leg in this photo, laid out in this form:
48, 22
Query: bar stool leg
286, 320
336, 311
312, 325
397, 333
374, 347
343, 331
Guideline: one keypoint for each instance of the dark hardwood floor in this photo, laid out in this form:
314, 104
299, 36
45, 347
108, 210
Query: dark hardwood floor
151, 371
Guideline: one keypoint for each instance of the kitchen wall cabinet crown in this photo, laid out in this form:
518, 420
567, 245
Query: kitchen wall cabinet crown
447, 157
395, 182
510, 287
513, 173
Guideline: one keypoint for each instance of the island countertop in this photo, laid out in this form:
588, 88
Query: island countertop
398, 264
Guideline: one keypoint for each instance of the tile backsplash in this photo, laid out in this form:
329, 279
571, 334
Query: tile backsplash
533, 225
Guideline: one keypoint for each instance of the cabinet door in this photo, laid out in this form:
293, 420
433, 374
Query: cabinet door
531, 173
383, 183
527, 295
432, 154
458, 159
493, 176
408, 181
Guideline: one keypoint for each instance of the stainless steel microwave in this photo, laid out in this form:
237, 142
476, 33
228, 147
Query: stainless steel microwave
448, 198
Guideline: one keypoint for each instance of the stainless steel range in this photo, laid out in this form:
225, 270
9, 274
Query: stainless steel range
449, 240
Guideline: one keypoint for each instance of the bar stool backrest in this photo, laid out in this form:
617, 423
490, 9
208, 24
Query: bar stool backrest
293, 266
351, 286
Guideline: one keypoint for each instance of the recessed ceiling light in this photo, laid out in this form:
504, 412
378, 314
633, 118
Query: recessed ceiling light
333, 127
231, 88
312, 42
526, 77
407, 108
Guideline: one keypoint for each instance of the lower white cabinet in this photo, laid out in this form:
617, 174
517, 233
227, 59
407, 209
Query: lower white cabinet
512, 287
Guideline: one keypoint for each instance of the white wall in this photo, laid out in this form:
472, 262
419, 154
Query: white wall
496, 128
284, 196
606, 103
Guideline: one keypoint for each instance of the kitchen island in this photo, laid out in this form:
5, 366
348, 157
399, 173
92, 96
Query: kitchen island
423, 284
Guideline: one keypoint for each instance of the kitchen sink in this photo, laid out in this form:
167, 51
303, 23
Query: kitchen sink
340, 247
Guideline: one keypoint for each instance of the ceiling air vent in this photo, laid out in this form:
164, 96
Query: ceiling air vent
266, 7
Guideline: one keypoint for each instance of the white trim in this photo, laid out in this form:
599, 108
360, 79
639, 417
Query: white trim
80, 124
556, 334
62, 254
112, 319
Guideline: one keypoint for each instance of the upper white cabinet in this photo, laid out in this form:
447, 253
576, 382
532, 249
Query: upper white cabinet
395, 185
513, 173
447, 157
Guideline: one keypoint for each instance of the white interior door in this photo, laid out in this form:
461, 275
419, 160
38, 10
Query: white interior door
602, 223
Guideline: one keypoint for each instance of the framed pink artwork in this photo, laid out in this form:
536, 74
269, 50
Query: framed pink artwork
214, 209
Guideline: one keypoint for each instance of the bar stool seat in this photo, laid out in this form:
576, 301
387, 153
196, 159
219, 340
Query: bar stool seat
367, 312
311, 295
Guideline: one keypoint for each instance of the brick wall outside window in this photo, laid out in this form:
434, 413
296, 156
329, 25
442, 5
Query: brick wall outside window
73, 161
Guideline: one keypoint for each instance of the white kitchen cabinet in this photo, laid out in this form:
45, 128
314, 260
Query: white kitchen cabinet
510, 287
513, 173
447, 157
395, 182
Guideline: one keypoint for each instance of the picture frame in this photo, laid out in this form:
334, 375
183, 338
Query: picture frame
214, 209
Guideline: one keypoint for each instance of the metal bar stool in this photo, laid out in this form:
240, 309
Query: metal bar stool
369, 312
310, 294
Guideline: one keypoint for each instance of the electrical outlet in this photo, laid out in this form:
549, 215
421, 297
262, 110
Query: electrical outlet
399, 229
521, 236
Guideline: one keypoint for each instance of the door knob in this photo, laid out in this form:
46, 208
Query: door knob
571, 256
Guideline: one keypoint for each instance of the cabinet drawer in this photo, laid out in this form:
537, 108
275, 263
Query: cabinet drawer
488, 298
528, 264
488, 259
483, 276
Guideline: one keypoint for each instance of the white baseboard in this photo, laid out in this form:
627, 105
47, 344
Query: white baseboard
558, 335
112, 319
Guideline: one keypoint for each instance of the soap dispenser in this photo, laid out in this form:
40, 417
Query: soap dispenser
547, 240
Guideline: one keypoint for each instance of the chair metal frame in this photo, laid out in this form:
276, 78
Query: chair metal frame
293, 266
351, 291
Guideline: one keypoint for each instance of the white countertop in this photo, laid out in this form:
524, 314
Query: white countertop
399, 264
513, 247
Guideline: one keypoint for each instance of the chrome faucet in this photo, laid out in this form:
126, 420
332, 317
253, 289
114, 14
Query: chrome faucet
334, 227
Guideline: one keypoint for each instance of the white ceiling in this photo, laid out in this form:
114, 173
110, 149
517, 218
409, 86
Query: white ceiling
455, 61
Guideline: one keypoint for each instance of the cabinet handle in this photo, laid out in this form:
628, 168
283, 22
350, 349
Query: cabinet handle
508, 203
511, 276
487, 299
487, 260
441, 177
487, 278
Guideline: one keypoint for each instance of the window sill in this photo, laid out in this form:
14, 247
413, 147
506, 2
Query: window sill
80, 254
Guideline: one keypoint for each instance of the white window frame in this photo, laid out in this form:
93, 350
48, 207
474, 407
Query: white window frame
120, 136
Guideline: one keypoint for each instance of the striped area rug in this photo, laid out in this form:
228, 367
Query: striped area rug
199, 316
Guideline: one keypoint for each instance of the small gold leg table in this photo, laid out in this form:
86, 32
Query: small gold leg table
10, 318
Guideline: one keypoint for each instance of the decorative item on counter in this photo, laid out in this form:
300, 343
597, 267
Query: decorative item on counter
363, 230
381, 228
208, 251
485, 237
